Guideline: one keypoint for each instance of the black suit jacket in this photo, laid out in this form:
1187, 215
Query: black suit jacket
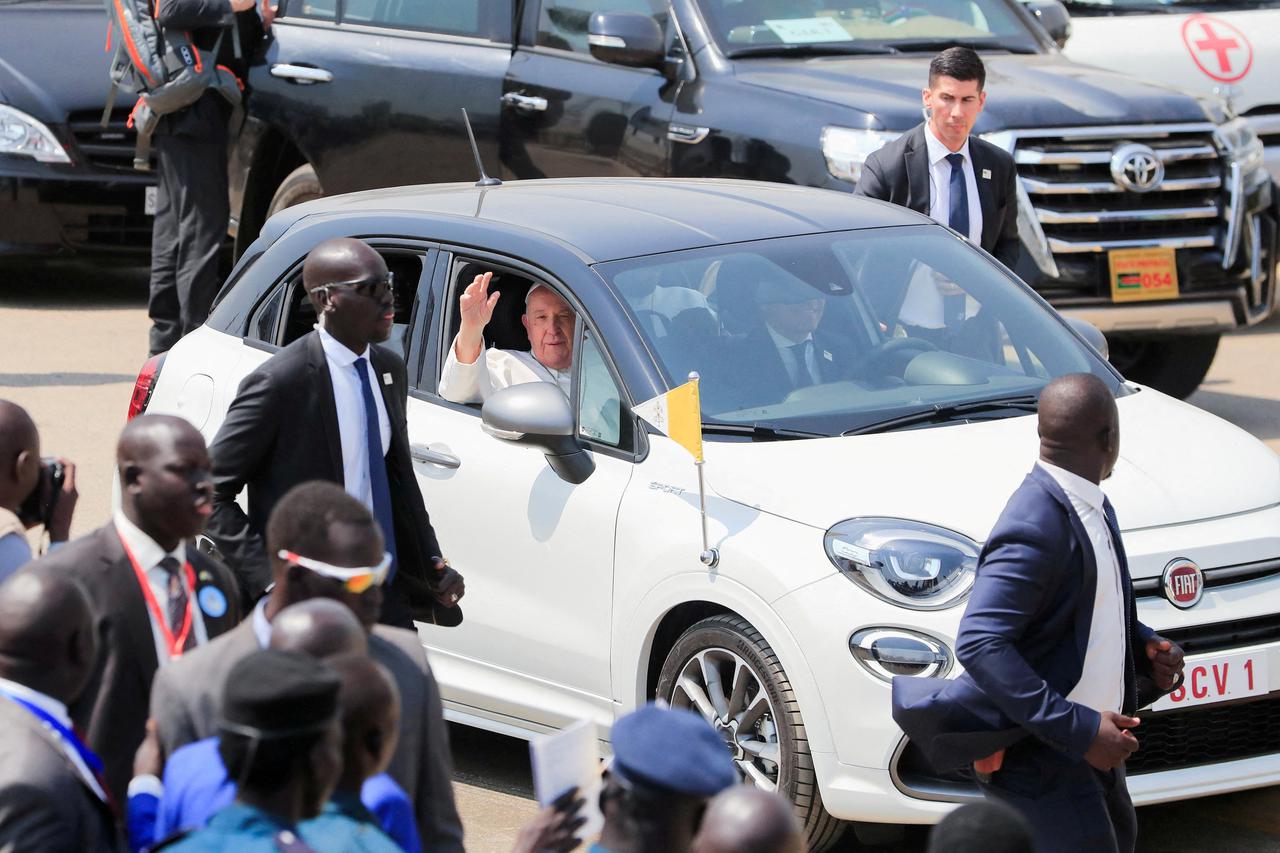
756, 376
899, 173
282, 430
112, 710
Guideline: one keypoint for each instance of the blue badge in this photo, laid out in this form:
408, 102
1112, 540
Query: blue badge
212, 602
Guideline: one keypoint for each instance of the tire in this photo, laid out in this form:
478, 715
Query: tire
729, 648
298, 186
1173, 365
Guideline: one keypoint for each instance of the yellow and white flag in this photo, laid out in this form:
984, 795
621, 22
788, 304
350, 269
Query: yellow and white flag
678, 414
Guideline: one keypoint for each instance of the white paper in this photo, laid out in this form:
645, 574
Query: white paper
809, 30
568, 759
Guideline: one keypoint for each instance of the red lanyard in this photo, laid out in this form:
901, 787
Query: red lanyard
172, 643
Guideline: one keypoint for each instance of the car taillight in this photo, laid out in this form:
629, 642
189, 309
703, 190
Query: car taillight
144, 385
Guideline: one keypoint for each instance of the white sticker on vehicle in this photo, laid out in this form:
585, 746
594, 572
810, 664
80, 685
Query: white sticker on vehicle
809, 30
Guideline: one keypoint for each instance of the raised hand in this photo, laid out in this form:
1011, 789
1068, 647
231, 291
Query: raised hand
1166, 661
475, 309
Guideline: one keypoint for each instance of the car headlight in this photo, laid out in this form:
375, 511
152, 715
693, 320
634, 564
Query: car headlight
906, 563
1242, 143
846, 149
22, 135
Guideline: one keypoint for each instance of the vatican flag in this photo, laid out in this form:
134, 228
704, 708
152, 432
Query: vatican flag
678, 414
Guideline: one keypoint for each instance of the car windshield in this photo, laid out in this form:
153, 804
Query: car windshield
1174, 5
747, 27
853, 331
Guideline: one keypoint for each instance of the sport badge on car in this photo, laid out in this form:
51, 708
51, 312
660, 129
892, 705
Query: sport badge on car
1183, 583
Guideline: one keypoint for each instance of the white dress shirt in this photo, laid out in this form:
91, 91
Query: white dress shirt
494, 370
348, 400
940, 185
1101, 685
57, 711
149, 554
789, 360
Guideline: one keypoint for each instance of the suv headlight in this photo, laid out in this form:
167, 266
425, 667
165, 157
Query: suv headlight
1243, 145
906, 563
846, 149
22, 135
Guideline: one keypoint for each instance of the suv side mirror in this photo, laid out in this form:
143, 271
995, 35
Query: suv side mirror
1053, 16
626, 38
1092, 334
537, 413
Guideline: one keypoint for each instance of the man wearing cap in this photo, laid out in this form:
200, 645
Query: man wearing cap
667, 763
280, 740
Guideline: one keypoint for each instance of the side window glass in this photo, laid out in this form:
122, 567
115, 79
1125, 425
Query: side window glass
262, 325
454, 17
406, 269
600, 410
562, 24
324, 10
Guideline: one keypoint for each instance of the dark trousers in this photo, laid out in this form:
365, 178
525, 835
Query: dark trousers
1071, 807
192, 212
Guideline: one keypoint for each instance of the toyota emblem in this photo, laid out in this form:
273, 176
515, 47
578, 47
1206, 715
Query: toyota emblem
1137, 168
1183, 583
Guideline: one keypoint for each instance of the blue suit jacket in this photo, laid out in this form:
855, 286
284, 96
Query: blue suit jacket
1023, 639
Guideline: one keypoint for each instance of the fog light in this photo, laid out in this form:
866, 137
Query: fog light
886, 652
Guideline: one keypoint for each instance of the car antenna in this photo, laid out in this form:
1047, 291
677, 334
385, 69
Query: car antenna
485, 180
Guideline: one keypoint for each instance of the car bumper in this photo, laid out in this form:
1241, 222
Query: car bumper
48, 211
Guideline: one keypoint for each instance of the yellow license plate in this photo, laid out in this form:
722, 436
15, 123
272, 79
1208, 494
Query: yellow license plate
1138, 275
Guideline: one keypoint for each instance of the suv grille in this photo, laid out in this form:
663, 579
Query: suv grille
108, 148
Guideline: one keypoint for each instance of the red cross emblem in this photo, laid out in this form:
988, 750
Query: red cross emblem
1217, 48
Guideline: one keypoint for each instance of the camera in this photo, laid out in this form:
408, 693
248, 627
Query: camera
38, 507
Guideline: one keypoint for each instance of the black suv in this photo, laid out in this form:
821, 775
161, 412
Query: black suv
357, 94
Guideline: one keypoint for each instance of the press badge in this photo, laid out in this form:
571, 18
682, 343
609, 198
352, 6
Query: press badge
212, 602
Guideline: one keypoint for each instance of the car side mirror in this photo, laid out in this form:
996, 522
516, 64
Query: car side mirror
1053, 16
1092, 334
626, 38
538, 414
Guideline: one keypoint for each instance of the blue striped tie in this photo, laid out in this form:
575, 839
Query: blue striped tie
377, 464
958, 209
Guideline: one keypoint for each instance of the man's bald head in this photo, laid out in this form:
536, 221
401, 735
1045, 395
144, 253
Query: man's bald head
743, 819
19, 455
47, 638
346, 281
341, 259
319, 627
1079, 426
166, 487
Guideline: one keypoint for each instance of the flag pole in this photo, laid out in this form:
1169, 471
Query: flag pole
710, 557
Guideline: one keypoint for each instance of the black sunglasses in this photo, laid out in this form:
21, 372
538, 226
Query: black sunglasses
371, 288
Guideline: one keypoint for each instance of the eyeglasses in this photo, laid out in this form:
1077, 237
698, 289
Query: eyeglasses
370, 288
356, 580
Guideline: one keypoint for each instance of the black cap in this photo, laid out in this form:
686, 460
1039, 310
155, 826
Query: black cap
273, 694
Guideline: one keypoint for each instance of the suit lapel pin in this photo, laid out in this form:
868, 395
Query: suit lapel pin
212, 602
828, 356
386, 379
986, 174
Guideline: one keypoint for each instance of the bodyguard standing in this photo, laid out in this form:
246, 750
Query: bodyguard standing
192, 206
938, 169
331, 406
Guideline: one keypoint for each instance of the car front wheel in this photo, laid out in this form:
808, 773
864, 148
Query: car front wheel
298, 186
723, 669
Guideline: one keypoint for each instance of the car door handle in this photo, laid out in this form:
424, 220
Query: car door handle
529, 103
301, 73
422, 453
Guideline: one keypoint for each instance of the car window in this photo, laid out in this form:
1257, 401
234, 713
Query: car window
262, 325
455, 17
324, 10
830, 332
562, 24
600, 409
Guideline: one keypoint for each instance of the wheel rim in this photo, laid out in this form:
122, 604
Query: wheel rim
728, 693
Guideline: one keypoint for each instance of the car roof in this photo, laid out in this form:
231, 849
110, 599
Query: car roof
610, 218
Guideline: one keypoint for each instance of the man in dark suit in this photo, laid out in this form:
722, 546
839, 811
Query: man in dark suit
938, 169
331, 406
155, 596
1056, 661
51, 792
321, 529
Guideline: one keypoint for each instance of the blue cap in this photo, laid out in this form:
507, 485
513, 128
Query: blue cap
673, 750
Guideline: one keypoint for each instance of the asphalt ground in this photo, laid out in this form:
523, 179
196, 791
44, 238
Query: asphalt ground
72, 340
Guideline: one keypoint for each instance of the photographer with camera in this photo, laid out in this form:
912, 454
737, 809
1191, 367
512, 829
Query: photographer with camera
33, 491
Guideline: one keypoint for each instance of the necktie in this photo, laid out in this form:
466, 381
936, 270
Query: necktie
798, 352
377, 463
177, 609
958, 209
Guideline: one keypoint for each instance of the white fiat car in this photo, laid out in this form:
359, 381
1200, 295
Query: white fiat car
845, 507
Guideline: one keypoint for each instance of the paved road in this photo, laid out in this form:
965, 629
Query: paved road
71, 343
